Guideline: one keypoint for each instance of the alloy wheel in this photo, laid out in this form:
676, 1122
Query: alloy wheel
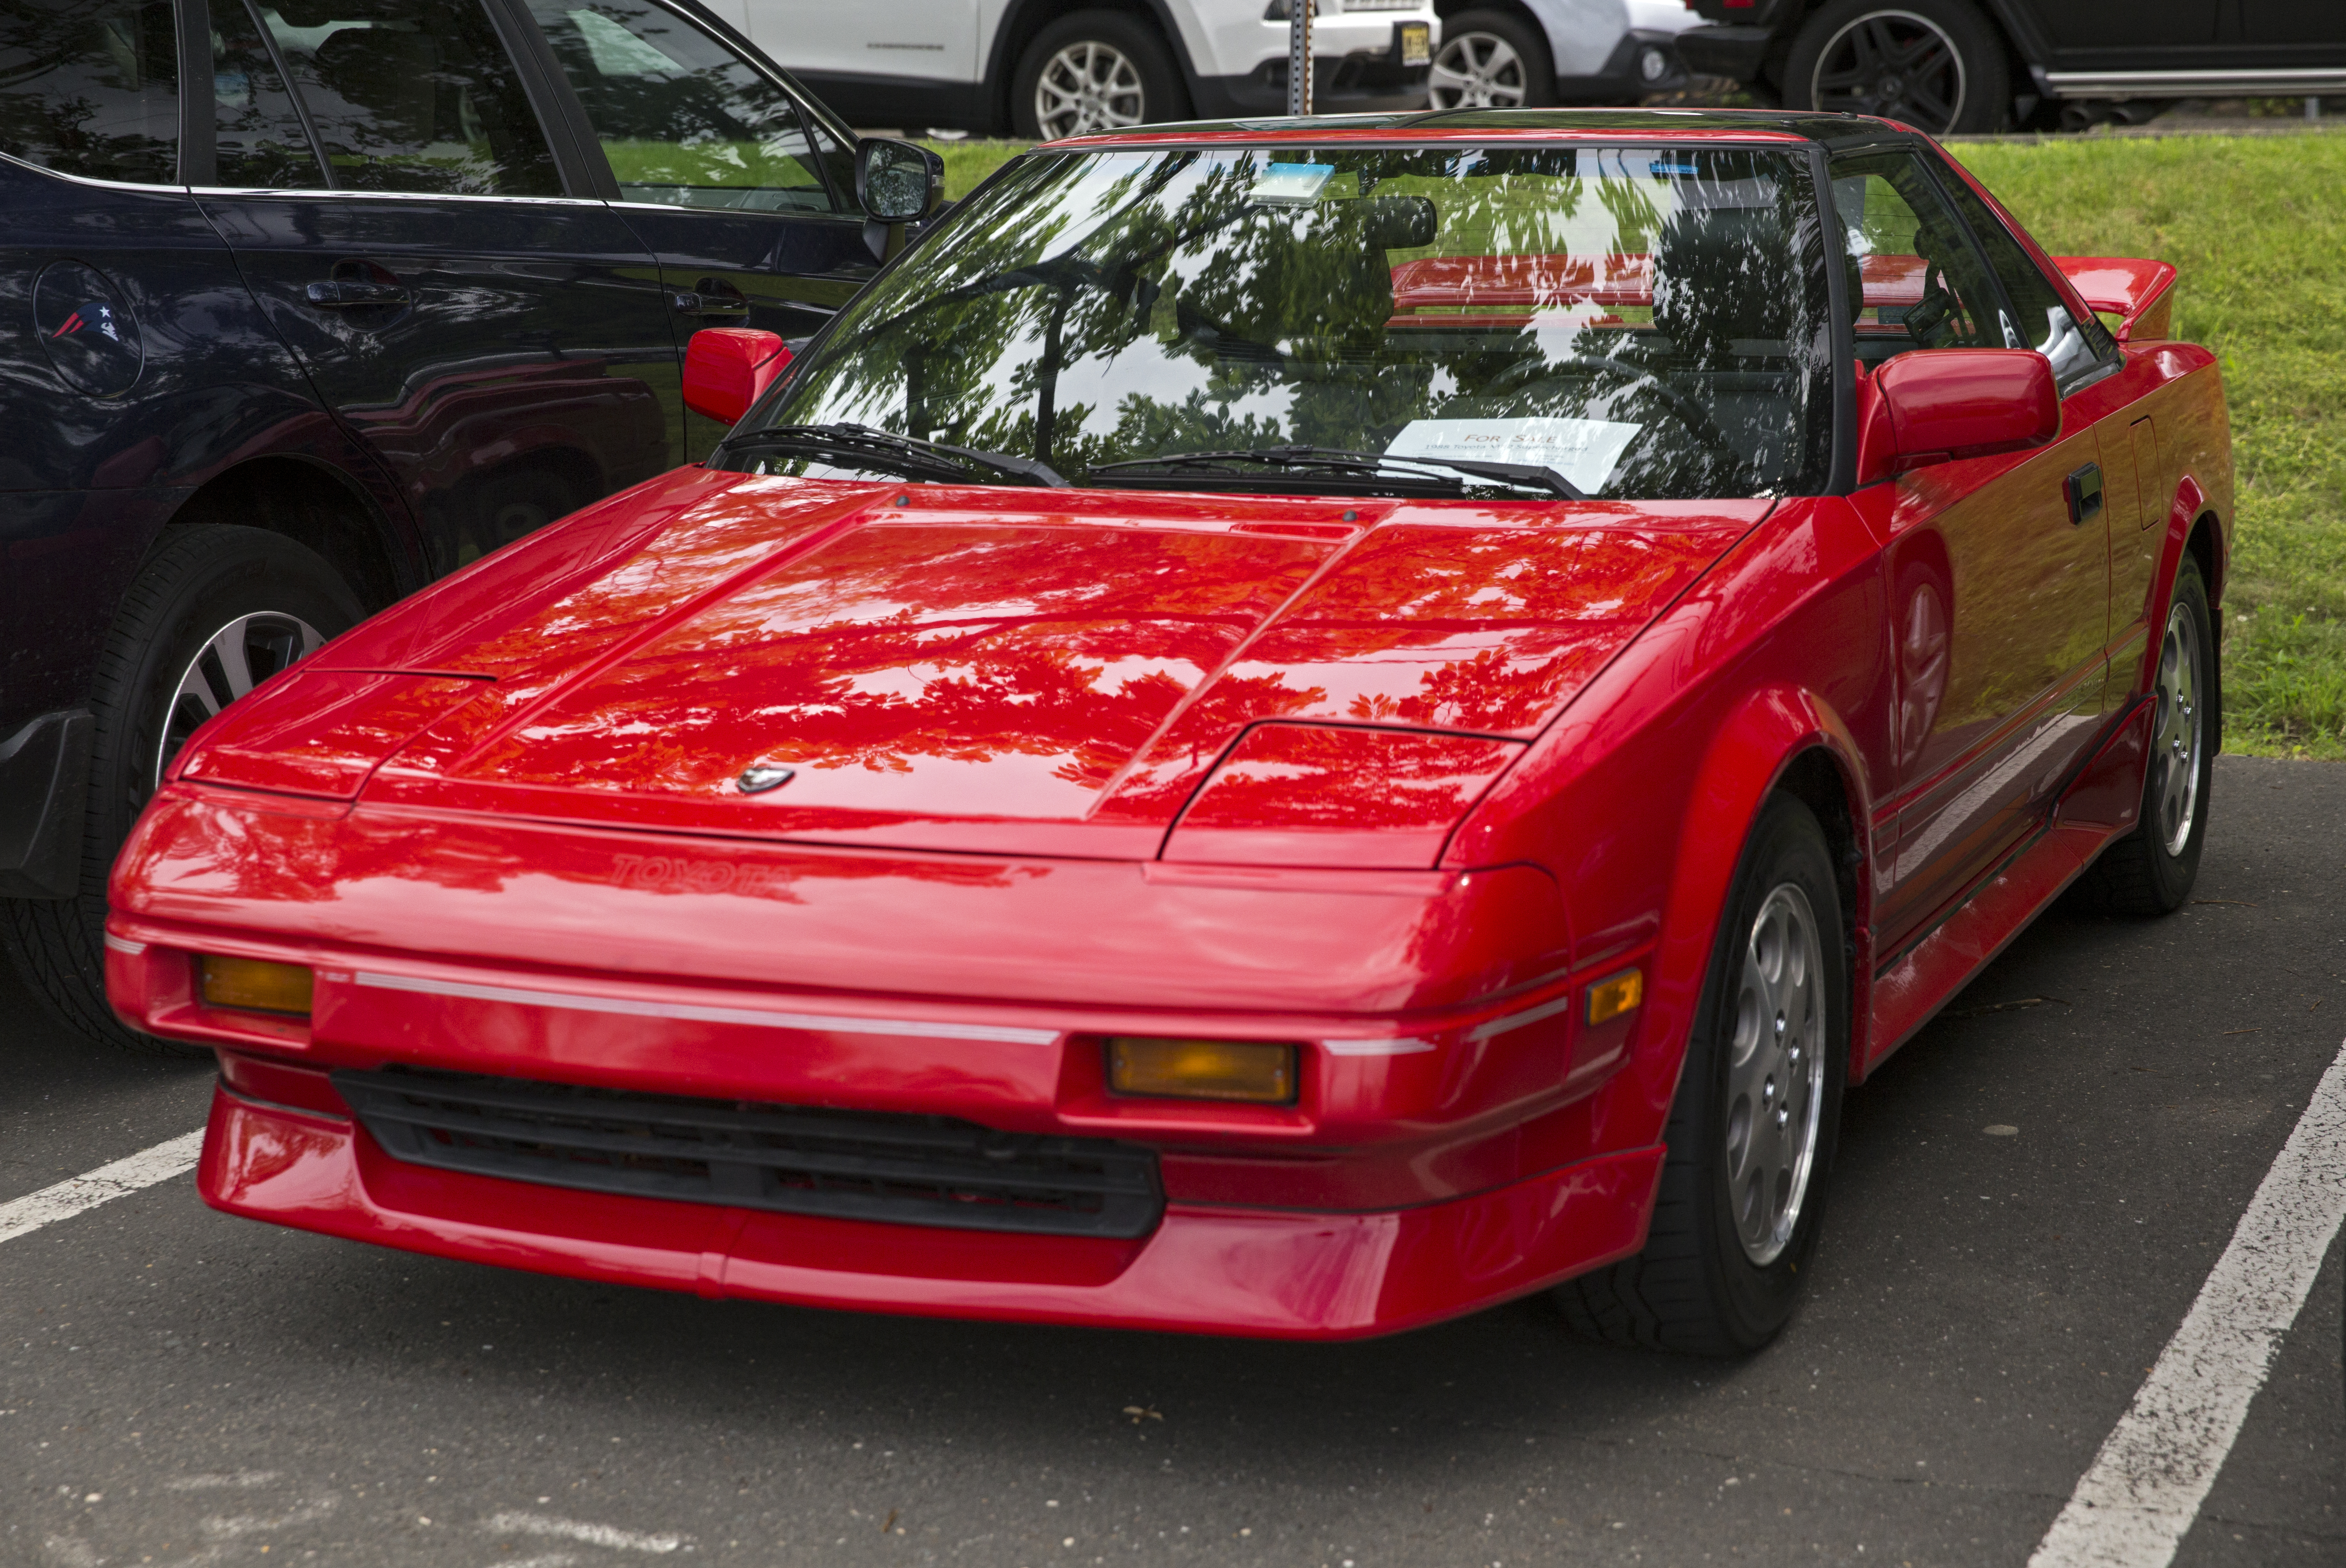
232, 661
2177, 731
1895, 63
1775, 1073
1477, 71
1088, 86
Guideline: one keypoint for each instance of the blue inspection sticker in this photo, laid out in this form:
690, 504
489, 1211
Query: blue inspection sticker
1290, 183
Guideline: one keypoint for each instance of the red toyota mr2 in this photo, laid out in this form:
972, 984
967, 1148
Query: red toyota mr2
1285, 730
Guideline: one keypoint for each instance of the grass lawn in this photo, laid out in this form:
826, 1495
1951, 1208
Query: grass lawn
967, 162
2257, 227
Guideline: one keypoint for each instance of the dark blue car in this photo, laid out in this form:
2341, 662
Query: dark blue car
305, 302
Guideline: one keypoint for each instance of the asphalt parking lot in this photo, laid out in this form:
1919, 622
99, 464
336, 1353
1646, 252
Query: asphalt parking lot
177, 1387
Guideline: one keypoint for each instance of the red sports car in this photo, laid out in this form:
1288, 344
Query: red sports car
1287, 729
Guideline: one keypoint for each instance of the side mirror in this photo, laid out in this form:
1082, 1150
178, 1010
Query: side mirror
1938, 404
896, 182
727, 368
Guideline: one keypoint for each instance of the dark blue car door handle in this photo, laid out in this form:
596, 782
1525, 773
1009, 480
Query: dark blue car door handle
696, 303
343, 294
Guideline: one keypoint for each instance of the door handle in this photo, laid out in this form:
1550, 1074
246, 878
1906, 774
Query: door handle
2083, 490
706, 301
344, 294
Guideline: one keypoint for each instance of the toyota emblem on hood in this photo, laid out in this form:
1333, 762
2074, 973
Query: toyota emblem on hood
760, 777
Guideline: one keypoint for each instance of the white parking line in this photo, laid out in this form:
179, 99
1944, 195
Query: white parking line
2139, 1500
519, 1524
127, 1174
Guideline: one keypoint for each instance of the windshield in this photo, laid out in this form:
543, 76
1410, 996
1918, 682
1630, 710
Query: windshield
1637, 321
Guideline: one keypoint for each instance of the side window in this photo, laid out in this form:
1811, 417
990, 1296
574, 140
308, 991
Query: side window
257, 134
1917, 281
417, 96
91, 88
2076, 348
685, 121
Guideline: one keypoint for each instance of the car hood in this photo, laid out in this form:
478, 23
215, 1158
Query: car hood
1006, 669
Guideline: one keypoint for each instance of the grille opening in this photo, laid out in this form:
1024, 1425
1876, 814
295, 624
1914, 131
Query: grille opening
857, 1165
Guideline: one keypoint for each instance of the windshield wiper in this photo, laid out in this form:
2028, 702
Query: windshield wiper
907, 454
1377, 466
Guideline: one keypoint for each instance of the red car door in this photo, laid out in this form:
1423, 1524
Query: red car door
1998, 598
2102, 389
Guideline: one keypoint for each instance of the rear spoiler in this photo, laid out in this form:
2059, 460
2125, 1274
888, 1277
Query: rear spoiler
2140, 292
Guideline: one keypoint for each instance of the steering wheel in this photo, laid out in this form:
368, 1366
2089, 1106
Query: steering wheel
1690, 414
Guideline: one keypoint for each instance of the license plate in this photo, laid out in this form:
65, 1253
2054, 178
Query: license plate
1416, 44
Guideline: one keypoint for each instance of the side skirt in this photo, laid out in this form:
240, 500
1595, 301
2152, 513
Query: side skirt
2101, 803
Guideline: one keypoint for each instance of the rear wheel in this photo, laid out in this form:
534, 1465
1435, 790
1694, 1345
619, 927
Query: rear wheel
2150, 871
1489, 59
1937, 65
1752, 1131
215, 611
1093, 71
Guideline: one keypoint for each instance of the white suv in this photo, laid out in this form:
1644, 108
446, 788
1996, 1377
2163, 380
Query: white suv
1526, 54
1039, 68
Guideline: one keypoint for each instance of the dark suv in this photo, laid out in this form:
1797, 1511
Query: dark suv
1948, 65
407, 279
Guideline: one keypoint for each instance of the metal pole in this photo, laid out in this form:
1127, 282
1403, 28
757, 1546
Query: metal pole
1299, 54
2313, 108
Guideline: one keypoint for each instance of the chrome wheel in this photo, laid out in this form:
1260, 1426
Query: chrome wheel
1775, 1073
1088, 86
1894, 64
232, 661
1477, 71
2177, 731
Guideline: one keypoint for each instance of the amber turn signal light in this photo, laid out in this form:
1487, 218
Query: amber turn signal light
254, 985
1616, 994
1201, 1069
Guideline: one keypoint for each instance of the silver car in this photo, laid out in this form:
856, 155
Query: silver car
1520, 53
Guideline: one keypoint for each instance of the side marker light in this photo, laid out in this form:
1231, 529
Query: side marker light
1616, 994
1201, 1069
254, 985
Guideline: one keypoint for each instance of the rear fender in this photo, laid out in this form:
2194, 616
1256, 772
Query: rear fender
2184, 513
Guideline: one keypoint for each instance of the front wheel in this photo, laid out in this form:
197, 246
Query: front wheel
1093, 71
1752, 1131
1937, 65
215, 611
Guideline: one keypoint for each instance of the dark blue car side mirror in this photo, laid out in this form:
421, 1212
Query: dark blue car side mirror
896, 183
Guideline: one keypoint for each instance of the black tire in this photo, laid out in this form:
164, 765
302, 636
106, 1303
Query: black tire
1472, 68
198, 581
1697, 1287
1937, 65
2150, 871
1150, 90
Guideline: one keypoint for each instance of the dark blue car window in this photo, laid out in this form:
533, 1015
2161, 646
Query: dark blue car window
416, 97
91, 88
257, 133
683, 121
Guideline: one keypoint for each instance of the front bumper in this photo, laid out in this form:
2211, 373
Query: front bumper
1208, 1270
1455, 1138
1643, 63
